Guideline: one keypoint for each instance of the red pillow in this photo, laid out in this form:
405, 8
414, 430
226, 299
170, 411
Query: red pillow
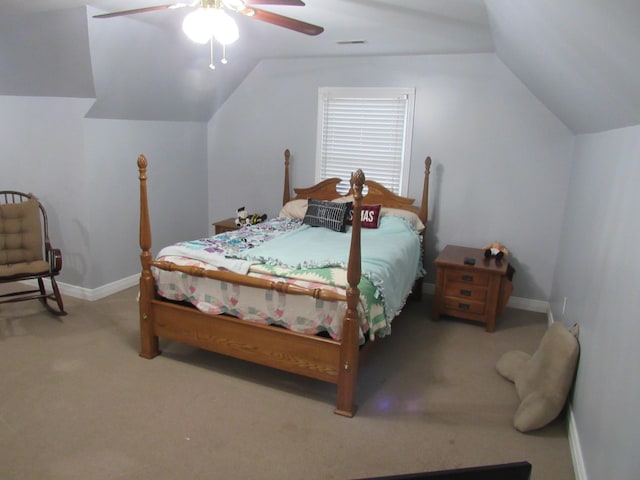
369, 216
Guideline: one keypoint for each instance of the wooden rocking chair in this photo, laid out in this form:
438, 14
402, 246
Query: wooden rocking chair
25, 250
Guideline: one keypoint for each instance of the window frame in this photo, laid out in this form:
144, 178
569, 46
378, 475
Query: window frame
387, 93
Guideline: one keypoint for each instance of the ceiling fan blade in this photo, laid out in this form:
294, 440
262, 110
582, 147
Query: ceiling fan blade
285, 22
288, 3
141, 10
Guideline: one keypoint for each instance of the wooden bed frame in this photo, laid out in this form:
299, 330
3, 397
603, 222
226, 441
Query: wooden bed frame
313, 356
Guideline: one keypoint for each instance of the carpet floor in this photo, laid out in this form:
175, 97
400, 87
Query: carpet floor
77, 402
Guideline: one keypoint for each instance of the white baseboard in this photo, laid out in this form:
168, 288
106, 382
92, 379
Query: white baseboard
95, 293
579, 468
100, 292
528, 304
115, 287
576, 450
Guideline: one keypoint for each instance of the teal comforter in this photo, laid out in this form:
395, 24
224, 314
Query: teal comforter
391, 256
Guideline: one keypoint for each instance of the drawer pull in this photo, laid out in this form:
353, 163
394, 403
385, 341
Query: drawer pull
467, 278
465, 293
463, 306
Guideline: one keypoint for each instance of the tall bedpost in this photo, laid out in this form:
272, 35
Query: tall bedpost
286, 194
348, 367
424, 206
423, 213
148, 341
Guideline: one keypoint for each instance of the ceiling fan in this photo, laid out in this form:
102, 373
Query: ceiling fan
242, 7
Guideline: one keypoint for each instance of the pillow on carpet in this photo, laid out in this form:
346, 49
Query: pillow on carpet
542, 380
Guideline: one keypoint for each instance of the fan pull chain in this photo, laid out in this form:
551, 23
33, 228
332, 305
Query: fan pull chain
211, 65
224, 55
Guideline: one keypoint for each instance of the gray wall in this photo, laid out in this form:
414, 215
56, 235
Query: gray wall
597, 271
501, 159
177, 187
502, 168
84, 172
43, 153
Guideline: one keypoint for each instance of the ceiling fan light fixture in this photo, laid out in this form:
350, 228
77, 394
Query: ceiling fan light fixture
196, 26
204, 23
225, 30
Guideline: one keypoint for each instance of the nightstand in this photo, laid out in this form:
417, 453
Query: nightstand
477, 290
226, 225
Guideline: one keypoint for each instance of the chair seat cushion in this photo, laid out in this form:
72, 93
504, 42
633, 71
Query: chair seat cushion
24, 268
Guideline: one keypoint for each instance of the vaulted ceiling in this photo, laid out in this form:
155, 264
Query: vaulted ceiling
579, 57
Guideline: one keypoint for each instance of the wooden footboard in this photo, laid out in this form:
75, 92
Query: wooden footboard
312, 356
316, 357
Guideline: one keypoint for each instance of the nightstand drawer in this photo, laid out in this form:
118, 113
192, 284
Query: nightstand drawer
467, 276
465, 291
453, 305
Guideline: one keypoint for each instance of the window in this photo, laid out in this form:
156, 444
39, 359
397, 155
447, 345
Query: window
367, 128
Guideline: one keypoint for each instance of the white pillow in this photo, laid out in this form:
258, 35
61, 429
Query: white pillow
412, 218
347, 199
294, 209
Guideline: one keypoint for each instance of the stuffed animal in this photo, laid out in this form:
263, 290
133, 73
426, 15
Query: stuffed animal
256, 218
542, 380
496, 249
243, 218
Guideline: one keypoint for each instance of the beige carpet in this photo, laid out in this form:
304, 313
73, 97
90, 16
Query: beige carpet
76, 402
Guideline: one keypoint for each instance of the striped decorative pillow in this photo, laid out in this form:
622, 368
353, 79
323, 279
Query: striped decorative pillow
331, 215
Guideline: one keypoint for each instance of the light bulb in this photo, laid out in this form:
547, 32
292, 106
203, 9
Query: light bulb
204, 23
197, 26
225, 29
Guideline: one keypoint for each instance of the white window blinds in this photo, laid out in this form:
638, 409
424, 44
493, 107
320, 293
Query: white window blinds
368, 129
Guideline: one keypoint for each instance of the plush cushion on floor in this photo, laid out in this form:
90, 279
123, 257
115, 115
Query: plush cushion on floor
542, 380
